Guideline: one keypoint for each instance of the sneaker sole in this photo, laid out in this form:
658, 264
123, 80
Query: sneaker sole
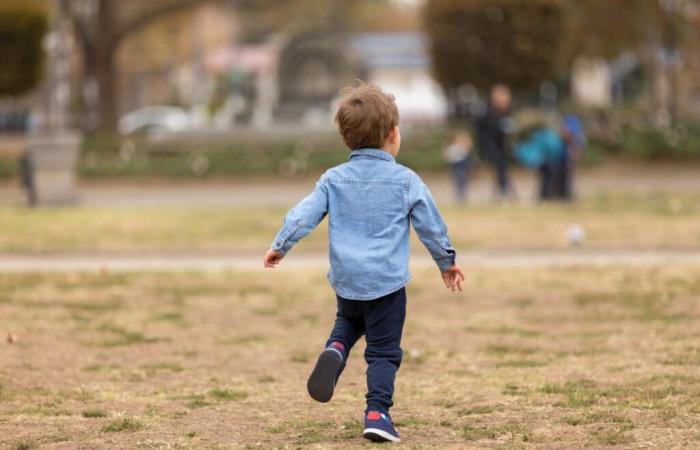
321, 382
377, 435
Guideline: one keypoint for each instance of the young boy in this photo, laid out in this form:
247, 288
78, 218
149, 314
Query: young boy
458, 156
370, 202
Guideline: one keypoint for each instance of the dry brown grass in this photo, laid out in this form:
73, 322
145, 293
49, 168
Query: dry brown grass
542, 358
627, 220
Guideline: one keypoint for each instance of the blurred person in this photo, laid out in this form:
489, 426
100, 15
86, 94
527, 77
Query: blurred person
575, 142
551, 148
492, 128
458, 156
370, 201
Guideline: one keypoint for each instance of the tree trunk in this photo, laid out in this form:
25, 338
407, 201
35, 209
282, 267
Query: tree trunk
105, 69
107, 89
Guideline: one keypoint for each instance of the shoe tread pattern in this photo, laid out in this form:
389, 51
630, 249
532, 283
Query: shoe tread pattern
321, 382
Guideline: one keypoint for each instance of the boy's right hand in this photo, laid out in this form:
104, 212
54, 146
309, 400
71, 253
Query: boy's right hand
272, 258
453, 278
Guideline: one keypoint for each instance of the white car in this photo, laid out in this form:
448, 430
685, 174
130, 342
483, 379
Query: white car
154, 120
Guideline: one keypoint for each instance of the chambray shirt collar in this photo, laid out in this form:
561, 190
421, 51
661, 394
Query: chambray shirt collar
373, 153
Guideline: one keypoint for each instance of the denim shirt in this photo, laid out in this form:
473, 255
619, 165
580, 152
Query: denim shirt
370, 201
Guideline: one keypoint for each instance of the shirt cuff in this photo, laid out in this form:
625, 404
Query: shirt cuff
447, 261
281, 246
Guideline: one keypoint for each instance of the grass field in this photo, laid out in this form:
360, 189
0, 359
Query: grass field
622, 220
540, 358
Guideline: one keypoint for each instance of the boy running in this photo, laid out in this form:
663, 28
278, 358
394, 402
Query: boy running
370, 202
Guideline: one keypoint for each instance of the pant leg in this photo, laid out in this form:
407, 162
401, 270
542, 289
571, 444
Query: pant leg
457, 180
348, 328
568, 180
467, 175
503, 176
384, 319
544, 181
460, 174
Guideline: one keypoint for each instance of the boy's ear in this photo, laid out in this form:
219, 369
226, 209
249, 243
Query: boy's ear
394, 135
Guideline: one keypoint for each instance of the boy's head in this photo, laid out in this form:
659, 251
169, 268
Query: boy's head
368, 118
463, 138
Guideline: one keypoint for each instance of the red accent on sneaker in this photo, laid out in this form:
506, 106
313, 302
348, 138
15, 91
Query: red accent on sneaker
338, 345
373, 415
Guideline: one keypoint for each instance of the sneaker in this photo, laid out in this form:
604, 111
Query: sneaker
378, 428
322, 380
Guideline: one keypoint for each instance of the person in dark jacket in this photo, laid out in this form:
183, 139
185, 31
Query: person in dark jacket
491, 134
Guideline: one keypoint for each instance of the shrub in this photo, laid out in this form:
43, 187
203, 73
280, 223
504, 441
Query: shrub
257, 155
22, 29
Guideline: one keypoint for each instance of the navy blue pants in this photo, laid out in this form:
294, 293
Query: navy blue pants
460, 175
381, 321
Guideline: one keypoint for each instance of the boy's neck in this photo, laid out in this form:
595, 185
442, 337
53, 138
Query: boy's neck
393, 152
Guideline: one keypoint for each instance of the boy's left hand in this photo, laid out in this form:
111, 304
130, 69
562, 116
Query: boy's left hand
272, 258
453, 278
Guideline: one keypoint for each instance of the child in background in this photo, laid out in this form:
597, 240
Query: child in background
371, 202
458, 156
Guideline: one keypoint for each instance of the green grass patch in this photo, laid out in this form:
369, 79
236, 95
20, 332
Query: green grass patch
227, 394
197, 401
94, 413
101, 367
479, 410
25, 444
46, 409
309, 432
612, 437
123, 337
514, 389
123, 423
578, 393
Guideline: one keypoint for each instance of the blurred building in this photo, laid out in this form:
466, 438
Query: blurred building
399, 63
296, 80
167, 62
312, 69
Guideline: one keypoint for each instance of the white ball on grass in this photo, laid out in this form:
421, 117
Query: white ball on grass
576, 235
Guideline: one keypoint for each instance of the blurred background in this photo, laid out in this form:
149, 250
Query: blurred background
109, 103
150, 149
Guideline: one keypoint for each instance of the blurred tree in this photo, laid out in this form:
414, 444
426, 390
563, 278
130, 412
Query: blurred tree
298, 17
101, 26
22, 29
607, 28
484, 42
655, 30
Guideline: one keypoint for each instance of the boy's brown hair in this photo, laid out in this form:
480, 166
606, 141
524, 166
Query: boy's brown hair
366, 116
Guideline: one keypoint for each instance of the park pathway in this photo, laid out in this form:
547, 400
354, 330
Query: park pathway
214, 261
